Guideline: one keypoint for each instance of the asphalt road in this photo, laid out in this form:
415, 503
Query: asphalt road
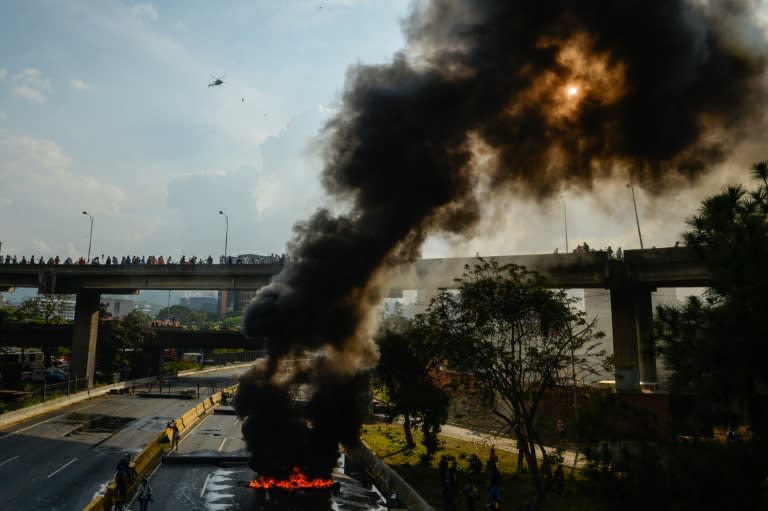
59, 461
210, 486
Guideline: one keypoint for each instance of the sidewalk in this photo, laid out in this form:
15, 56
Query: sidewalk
571, 456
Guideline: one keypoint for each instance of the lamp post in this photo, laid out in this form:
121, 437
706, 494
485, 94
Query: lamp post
90, 236
634, 202
565, 223
226, 234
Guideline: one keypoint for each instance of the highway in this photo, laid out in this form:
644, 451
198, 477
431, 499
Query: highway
211, 486
59, 461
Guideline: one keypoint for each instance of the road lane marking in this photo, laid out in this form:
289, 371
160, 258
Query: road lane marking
222, 444
62, 467
8, 461
205, 484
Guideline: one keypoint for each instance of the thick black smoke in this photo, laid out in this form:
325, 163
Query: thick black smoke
548, 94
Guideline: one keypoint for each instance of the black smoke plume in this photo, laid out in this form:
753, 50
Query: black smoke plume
531, 96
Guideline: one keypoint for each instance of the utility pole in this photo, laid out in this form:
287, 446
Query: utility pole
90, 237
565, 222
634, 202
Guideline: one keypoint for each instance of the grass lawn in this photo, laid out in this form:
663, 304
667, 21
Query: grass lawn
388, 442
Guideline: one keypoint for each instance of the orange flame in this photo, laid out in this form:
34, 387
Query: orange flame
296, 481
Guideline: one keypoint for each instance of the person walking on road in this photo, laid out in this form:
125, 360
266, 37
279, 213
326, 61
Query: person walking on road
144, 493
121, 477
174, 436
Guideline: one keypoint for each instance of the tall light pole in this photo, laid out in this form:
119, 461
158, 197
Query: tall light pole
565, 222
226, 234
90, 236
634, 202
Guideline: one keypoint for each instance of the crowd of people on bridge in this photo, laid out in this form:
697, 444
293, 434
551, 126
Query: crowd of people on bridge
128, 260
584, 248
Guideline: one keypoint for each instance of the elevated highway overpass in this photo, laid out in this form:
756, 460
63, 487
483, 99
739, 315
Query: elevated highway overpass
630, 281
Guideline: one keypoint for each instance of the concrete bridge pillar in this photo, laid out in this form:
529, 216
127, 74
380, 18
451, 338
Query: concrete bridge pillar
85, 331
631, 316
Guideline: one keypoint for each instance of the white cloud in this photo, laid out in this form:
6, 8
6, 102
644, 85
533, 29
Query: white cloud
78, 85
44, 193
3, 116
3, 73
31, 84
29, 93
147, 11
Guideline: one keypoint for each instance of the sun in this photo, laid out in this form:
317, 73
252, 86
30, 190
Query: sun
573, 90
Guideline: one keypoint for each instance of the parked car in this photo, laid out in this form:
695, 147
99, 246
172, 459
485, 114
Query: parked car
55, 375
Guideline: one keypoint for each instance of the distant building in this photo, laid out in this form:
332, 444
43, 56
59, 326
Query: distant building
230, 301
61, 305
119, 308
201, 303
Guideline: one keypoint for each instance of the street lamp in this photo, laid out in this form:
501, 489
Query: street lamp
565, 222
90, 236
637, 218
226, 234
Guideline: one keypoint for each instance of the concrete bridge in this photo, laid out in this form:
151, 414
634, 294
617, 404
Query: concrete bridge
630, 282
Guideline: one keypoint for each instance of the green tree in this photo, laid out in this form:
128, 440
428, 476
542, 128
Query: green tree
509, 339
7, 315
123, 343
404, 371
47, 309
716, 346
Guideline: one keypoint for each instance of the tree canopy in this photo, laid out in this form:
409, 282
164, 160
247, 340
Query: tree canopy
509, 340
716, 346
122, 342
410, 390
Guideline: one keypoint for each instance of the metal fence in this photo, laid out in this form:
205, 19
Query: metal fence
45, 391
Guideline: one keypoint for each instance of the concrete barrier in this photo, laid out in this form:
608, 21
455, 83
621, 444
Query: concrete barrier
386, 479
152, 454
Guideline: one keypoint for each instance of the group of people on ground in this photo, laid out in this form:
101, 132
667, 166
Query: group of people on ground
125, 476
449, 479
449, 476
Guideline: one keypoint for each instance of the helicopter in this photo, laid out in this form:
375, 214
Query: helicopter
216, 81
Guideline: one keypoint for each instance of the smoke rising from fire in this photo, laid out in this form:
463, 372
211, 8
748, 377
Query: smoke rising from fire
531, 96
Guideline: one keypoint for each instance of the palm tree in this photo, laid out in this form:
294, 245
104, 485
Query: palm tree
760, 171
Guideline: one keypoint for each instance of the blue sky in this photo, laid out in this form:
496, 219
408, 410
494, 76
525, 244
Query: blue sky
104, 107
